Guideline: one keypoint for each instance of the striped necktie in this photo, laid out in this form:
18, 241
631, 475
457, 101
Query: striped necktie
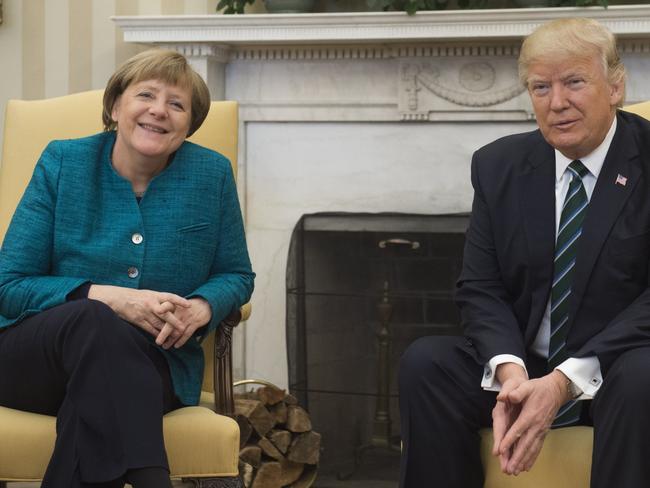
568, 237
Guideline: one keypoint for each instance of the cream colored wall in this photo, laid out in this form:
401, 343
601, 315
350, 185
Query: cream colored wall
51, 48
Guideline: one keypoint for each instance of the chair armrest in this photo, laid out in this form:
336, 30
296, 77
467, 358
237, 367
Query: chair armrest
222, 377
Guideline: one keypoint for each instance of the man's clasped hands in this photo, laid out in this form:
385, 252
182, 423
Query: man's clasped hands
523, 414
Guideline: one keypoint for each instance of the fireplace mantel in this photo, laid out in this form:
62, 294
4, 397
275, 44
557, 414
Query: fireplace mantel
370, 27
361, 112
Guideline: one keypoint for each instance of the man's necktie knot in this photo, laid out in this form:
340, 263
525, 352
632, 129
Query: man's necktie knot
578, 169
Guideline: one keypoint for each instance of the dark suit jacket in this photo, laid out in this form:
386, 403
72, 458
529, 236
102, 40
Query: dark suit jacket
508, 263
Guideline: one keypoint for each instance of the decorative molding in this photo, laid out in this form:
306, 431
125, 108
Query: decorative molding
631, 21
198, 50
372, 51
459, 86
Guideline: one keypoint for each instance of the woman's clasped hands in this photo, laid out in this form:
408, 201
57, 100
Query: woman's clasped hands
168, 317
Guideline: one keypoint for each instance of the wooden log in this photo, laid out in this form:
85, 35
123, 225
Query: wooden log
270, 395
290, 472
280, 439
246, 473
305, 448
290, 399
245, 429
297, 419
279, 412
256, 413
251, 455
268, 476
269, 449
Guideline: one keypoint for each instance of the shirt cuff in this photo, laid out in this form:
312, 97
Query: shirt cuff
489, 381
584, 373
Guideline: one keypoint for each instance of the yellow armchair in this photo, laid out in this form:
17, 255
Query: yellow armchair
201, 444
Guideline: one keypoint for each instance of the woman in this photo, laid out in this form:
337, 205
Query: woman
126, 248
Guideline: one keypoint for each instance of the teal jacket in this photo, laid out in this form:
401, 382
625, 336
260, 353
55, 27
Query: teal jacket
75, 224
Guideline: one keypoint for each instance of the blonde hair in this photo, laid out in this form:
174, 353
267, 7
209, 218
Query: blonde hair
159, 64
573, 38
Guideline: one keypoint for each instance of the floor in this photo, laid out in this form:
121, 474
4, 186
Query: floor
378, 470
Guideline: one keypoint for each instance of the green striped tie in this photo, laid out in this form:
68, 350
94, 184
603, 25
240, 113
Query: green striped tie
568, 236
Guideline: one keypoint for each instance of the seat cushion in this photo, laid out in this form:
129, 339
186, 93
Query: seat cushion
198, 441
564, 462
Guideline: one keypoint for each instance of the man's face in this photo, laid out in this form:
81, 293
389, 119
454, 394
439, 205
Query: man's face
573, 102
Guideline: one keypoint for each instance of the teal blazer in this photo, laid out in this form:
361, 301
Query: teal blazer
76, 221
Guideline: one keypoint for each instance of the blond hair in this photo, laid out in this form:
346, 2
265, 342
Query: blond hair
573, 38
159, 64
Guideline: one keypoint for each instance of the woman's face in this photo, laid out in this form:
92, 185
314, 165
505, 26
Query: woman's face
153, 119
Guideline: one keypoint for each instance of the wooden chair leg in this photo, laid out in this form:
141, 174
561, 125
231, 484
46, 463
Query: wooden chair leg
225, 482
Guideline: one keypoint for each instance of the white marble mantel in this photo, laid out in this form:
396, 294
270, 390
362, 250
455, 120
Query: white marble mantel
361, 112
303, 29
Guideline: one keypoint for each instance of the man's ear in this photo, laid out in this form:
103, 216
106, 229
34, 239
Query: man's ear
616, 93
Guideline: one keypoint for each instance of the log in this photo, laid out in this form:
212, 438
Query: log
279, 413
290, 472
246, 473
251, 455
256, 413
298, 419
269, 449
270, 395
245, 429
280, 439
278, 448
290, 399
268, 476
305, 448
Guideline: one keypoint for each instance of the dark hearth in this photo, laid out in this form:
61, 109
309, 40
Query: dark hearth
360, 288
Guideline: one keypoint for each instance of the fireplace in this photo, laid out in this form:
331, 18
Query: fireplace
360, 288
363, 112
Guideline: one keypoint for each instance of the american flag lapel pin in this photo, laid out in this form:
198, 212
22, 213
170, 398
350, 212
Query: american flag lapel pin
621, 180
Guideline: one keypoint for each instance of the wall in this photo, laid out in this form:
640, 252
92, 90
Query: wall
51, 48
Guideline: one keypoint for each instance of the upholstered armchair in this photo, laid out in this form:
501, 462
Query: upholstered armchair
565, 459
202, 442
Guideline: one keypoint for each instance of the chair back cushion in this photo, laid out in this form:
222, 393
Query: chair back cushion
642, 109
31, 125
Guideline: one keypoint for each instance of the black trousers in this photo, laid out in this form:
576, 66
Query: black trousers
442, 407
107, 385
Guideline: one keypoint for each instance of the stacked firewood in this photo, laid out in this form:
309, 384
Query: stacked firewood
278, 447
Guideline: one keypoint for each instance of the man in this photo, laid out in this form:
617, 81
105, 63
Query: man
554, 293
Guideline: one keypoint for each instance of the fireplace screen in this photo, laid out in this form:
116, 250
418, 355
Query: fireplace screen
360, 288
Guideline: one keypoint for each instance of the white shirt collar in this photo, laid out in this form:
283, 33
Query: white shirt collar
593, 161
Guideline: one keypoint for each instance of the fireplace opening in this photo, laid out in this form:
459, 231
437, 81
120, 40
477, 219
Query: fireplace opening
360, 289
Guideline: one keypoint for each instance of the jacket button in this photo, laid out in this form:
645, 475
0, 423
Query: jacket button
133, 272
137, 238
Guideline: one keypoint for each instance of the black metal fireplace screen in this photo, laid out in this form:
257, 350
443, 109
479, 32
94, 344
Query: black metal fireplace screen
360, 288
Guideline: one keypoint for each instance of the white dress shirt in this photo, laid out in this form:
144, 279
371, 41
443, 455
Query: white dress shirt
583, 372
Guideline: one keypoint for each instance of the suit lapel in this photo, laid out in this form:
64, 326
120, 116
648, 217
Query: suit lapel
537, 197
605, 205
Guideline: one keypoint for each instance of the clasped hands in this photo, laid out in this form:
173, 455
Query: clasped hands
168, 317
523, 414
